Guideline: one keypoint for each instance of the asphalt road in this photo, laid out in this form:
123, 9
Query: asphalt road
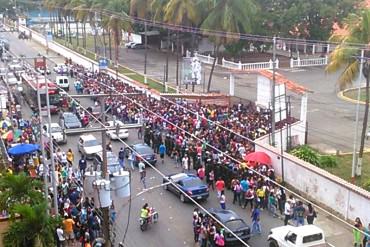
175, 218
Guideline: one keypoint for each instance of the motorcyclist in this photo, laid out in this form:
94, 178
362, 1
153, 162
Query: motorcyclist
145, 212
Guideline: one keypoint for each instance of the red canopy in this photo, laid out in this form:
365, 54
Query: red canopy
260, 157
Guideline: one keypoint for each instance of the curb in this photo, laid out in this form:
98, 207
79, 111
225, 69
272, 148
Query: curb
348, 99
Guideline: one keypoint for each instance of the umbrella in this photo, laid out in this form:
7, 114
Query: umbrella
23, 148
260, 157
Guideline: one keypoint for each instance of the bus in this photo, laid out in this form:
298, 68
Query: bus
30, 83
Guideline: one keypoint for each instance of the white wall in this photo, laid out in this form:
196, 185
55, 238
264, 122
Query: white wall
348, 200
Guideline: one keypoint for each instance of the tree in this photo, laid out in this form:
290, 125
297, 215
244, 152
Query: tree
32, 228
141, 9
231, 17
180, 12
344, 58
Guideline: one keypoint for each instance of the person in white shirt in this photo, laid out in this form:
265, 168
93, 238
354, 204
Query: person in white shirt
287, 211
142, 172
60, 237
185, 163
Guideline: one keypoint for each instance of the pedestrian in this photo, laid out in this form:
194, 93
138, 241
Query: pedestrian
366, 240
70, 157
201, 173
140, 133
142, 172
60, 236
162, 151
260, 192
256, 224
311, 214
197, 224
223, 200
69, 223
185, 163
299, 212
121, 157
203, 235
131, 160
287, 211
220, 186
219, 239
281, 197
272, 203
237, 192
357, 241
249, 198
82, 164
211, 180
109, 147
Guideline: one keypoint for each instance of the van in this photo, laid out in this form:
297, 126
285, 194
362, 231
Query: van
63, 82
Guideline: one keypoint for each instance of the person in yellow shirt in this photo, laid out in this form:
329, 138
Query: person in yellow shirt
70, 157
68, 223
260, 192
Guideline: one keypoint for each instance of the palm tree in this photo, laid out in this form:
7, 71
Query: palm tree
19, 189
82, 12
141, 9
231, 17
180, 12
32, 228
344, 57
116, 23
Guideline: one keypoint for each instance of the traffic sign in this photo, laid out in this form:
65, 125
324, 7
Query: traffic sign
103, 63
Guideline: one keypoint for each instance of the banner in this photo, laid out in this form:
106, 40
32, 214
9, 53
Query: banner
191, 71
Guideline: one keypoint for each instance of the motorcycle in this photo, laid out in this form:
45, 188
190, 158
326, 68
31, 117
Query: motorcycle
152, 218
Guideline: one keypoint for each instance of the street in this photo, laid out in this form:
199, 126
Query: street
175, 218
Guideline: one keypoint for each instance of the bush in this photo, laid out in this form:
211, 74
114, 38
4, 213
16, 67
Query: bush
327, 161
366, 185
307, 154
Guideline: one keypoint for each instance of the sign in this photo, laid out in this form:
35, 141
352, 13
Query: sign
191, 70
103, 63
39, 63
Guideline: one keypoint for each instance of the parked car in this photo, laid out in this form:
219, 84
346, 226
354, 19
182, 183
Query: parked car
144, 151
188, 183
112, 162
129, 44
61, 68
56, 132
11, 79
301, 236
70, 121
88, 146
63, 82
138, 46
233, 222
122, 133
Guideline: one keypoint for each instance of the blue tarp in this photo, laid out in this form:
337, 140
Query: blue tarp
23, 149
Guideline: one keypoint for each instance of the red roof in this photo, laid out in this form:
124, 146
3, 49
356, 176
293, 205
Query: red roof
280, 79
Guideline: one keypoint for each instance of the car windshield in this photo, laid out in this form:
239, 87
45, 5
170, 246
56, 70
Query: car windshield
56, 129
235, 224
91, 143
144, 150
192, 182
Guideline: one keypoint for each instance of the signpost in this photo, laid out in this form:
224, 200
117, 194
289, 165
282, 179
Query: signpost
103, 63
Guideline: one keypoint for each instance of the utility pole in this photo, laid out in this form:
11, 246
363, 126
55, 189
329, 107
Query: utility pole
51, 146
145, 52
273, 92
44, 159
354, 155
105, 175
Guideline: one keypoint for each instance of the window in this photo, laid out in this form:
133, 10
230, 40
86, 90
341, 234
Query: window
312, 238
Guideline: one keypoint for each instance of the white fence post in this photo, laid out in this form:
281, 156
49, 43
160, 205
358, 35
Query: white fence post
271, 66
299, 62
313, 49
223, 61
277, 63
240, 65
328, 49
209, 58
292, 63
232, 85
326, 60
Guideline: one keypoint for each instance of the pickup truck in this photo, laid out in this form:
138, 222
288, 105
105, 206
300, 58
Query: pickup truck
301, 236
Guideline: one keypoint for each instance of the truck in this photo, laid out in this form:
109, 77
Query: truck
301, 236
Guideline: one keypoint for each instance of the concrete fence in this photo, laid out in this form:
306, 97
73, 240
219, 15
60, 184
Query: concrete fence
205, 59
348, 200
249, 66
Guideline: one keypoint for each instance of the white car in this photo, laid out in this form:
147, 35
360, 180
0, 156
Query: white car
61, 68
41, 70
301, 236
122, 133
88, 146
129, 44
56, 132
12, 80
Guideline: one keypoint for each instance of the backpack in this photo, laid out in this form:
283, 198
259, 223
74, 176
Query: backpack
220, 241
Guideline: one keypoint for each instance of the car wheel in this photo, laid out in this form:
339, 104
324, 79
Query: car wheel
273, 243
182, 198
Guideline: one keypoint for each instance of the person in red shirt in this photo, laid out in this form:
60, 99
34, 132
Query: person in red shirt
201, 172
220, 186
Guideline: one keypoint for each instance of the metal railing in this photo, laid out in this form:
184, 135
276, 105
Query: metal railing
249, 66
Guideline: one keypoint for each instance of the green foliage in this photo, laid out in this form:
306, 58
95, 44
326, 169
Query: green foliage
327, 161
366, 185
307, 154
311, 156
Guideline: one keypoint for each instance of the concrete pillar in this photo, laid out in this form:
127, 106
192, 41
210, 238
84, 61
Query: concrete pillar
232, 85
